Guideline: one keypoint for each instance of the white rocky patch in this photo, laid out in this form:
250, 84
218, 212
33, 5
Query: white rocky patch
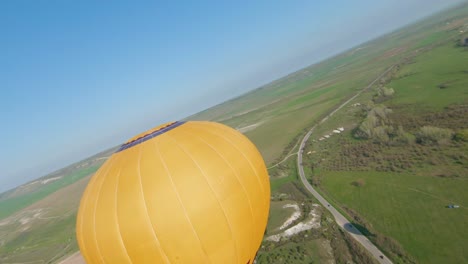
50, 180
249, 127
312, 221
293, 217
24, 220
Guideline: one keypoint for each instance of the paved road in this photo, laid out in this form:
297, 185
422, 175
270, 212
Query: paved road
339, 218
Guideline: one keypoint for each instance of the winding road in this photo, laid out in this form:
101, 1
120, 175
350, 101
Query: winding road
339, 218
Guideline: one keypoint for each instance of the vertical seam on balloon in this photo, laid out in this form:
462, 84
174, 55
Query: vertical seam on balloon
85, 205
178, 198
146, 210
242, 137
235, 173
117, 216
234, 145
212, 190
95, 206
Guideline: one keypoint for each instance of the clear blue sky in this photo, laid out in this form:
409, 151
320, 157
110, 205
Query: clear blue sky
78, 77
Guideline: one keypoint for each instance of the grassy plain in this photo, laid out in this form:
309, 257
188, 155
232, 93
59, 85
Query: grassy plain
399, 192
11, 205
429, 79
411, 209
45, 231
38, 218
283, 174
282, 110
279, 215
27, 194
311, 251
434, 80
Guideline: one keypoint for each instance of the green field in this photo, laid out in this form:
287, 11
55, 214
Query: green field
418, 84
285, 173
396, 191
37, 223
411, 209
27, 194
278, 215
45, 231
283, 109
312, 251
10, 205
56, 236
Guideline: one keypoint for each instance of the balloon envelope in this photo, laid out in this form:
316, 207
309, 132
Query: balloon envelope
183, 192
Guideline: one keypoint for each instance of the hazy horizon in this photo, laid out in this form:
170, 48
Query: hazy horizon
81, 80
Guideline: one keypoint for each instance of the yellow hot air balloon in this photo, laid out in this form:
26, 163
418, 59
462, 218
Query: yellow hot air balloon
183, 192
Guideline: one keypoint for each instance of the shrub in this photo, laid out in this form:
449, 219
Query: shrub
429, 135
381, 111
383, 93
368, 106
358, 182
386, 92
366, 127
375, 125
402, 137
380, 134
461, 135
315, 181
442, 85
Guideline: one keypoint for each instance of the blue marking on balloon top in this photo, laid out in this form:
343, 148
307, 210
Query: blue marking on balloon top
150, 136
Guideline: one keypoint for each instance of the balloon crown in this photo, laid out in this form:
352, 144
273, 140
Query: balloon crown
150, 134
